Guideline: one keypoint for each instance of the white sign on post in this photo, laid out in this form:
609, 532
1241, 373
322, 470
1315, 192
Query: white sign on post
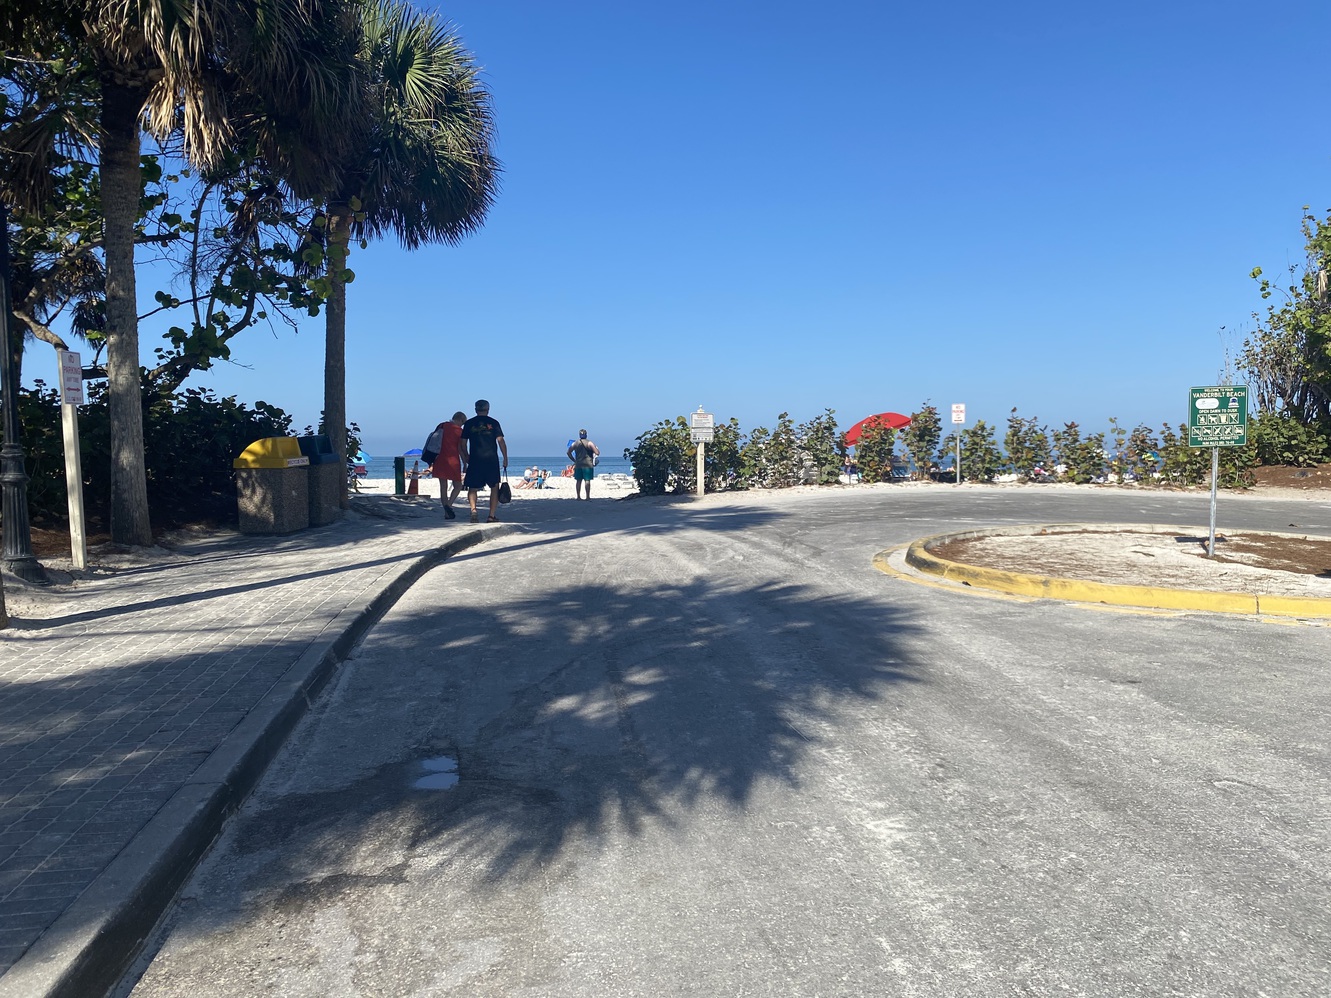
71, 397
958, 416
71, 378
703, 428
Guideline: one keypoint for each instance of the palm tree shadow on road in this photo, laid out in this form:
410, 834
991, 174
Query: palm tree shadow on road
589, 713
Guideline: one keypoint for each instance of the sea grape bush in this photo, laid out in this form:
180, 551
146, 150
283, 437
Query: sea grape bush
874, 452
812, 451
1027, 445
1081, 459
190, 439
822, 446
920, 439
1281, 439
661, 456
981, 460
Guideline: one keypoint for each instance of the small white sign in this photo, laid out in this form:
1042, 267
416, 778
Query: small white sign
701, 436
71, 377
703, 420
959, 412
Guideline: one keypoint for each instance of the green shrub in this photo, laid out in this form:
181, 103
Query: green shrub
664, 459
190, 439
1180, 464
874, 452
981, 459
1281, 439
1082, 458
774, 459
721, 461
920, 439
823, 447
1027, 445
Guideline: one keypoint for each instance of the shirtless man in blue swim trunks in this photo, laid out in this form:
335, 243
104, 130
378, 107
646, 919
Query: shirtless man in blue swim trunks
583, 453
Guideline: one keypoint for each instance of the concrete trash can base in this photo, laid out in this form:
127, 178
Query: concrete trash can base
325, 492
272, 487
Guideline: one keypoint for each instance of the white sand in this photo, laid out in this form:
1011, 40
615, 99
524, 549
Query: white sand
608, 486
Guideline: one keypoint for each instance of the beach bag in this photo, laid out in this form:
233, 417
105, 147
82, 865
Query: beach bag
505, 493
432, 444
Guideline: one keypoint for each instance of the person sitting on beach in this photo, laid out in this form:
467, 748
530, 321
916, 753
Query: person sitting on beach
528, 479
567, 472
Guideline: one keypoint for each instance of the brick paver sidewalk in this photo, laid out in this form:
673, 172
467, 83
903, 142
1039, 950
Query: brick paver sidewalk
115, 691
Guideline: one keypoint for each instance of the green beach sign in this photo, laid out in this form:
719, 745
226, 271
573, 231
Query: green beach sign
1218, 416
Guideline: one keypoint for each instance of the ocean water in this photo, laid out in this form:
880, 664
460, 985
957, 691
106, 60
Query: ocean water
382, 467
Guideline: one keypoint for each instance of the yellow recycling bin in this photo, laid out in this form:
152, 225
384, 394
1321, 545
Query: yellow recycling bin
272, 487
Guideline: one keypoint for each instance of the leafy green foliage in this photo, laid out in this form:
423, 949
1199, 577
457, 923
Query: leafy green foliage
774, 459
981, 460
822, 446
1027, 445
722, 463
920, 439
663, 458
875, 451
1279, 438
1083, 458
1287, 360
1179, 463
190, 440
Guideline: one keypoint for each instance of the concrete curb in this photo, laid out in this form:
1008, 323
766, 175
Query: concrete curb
919, 556
89, 948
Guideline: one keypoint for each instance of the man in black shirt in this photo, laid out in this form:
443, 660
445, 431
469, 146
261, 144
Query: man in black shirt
479, 447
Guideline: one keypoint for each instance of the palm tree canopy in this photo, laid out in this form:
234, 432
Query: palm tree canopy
278, 76
427, 171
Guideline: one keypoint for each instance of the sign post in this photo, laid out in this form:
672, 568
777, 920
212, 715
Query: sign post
71, 397
702, 430
958, 417
1217, 417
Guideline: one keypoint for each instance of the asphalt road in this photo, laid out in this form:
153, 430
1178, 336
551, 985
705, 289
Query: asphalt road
706, 749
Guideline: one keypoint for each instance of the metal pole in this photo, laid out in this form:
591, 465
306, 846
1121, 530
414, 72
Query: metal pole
1215, 475
958, 457
69, 425
702, 448
17, 556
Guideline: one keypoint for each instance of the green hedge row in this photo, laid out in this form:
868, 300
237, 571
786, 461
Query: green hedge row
190, 440
789, 454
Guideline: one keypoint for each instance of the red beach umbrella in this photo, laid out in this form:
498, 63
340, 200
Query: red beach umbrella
893, 419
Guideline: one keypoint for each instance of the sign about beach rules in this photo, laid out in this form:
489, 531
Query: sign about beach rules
1218, 416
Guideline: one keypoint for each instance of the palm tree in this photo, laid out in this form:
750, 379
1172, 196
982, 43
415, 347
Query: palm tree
426, 172
165, 65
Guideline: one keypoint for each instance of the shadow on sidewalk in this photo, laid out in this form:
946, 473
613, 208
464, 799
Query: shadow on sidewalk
593, 713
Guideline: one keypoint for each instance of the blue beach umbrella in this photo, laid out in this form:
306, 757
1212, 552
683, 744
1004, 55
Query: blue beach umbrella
414, 452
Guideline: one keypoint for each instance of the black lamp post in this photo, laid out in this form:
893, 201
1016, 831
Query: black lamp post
17, 556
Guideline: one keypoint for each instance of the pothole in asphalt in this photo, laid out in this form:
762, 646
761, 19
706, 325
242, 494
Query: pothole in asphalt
439, 773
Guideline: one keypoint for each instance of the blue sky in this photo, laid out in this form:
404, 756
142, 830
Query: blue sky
774, 206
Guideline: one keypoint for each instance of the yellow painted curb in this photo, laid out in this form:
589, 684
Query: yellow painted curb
919, 556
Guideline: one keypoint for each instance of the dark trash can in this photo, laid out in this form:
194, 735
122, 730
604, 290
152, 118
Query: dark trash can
326, 478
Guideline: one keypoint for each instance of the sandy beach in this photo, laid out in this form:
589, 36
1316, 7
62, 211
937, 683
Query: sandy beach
608, 486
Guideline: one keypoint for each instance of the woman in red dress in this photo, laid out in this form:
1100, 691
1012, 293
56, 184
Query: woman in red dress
447, 466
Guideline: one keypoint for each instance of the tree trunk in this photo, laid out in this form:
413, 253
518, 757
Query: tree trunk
121, 106
335, 337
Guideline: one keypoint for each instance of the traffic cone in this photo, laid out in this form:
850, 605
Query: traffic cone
414, 488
